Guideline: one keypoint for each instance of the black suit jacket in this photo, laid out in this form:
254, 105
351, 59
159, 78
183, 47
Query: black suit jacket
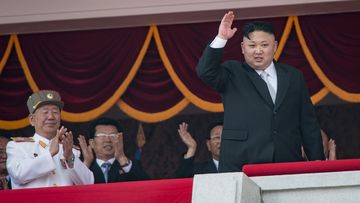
117, 175
256, 130
188, 168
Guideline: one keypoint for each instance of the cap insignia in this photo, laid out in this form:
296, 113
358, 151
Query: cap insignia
50, 96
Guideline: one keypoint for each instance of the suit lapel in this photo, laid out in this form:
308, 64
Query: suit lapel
210, 167
114, 172
283, 85
98, 174
260, 85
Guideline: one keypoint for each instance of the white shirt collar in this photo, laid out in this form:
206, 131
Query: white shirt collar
37, 138
100, 162
269, 70
216, 162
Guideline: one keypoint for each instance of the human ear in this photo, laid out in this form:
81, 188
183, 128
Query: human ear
31, 119
91, 143
242, 47
208, 145
275, 46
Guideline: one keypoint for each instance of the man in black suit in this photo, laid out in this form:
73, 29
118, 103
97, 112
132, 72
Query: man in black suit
268, 114
187, 168
110, 163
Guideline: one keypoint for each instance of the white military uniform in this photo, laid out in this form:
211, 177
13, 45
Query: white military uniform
30, 165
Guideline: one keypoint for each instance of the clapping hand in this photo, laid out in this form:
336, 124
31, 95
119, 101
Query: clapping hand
86, 151
54, 145
118, 144
67, 141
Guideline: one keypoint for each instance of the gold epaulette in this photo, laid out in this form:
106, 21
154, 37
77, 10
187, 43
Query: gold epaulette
42, 144
76, 147
22, 139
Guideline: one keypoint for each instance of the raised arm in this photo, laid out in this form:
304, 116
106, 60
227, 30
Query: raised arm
186, 165
209, 68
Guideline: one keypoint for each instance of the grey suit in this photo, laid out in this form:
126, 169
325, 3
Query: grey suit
255, 129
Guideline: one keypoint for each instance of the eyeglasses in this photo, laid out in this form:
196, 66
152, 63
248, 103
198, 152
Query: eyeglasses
215, 139
103, 135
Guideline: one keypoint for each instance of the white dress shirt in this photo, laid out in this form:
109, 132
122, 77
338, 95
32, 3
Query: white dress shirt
272, 76
216, 162
126, 169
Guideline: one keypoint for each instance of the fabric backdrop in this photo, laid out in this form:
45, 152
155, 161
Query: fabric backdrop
149, 72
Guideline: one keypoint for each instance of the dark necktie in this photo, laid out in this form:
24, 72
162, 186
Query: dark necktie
265, 76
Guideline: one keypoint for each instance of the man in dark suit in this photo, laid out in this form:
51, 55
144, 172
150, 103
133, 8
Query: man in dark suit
187, 167
268, 114
110, 163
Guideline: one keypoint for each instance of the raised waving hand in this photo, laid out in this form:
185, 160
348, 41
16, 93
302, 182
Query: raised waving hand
225, 30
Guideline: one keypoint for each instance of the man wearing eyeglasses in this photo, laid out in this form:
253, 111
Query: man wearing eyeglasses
187, 167
110, 163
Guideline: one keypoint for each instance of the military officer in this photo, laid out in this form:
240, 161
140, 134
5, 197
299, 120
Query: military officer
48, 158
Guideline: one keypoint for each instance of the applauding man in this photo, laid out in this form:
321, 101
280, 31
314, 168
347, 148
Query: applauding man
110, 163
48, 158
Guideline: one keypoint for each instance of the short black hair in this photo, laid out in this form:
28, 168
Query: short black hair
103, 121
257, 26
212, 125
